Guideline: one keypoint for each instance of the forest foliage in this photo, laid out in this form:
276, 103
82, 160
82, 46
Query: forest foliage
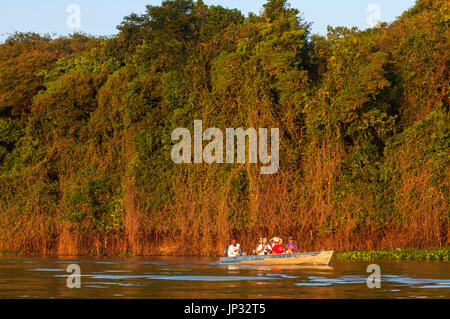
85, 126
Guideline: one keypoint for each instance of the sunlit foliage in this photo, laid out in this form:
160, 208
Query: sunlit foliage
85, 127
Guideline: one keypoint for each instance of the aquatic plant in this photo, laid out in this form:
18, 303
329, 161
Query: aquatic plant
398, 254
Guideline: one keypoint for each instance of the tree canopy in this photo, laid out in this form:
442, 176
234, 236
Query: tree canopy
85, 126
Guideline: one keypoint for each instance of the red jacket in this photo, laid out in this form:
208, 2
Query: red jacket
277, 249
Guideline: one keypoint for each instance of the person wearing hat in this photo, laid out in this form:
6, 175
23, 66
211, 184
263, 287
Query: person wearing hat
277, 239
291, 247
277, 248
234, 249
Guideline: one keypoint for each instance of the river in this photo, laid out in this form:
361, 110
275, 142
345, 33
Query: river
172, 277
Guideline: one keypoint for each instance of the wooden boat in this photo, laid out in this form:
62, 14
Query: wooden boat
313, 258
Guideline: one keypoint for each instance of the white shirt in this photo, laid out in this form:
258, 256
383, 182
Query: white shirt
264, 251
234, 251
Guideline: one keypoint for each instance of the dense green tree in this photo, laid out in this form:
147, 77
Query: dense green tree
85, 126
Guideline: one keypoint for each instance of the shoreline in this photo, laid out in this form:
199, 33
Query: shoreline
405, 254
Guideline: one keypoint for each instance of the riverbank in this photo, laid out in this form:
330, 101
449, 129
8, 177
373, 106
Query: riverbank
433, 254
86, 127
441, 254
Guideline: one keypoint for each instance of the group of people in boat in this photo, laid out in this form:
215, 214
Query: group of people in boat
265, 247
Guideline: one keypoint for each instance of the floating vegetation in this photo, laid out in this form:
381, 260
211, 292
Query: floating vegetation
397, 254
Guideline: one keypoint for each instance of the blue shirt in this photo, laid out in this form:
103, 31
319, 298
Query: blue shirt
293, 247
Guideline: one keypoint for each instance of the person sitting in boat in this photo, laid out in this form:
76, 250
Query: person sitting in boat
234, 249
272, 241
264, 247
291, 247
278, 247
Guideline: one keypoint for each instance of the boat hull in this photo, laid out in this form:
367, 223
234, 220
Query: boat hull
313, 258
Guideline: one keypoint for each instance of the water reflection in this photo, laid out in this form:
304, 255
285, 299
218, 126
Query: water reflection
206, 278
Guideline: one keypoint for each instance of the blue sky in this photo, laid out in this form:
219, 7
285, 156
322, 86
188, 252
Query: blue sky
100, 17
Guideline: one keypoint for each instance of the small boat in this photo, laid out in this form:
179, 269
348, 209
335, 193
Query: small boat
313, 258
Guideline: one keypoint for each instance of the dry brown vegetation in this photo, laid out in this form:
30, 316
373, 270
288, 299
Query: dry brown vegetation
85, 128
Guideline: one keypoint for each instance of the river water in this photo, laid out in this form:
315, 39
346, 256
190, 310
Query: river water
171, 277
